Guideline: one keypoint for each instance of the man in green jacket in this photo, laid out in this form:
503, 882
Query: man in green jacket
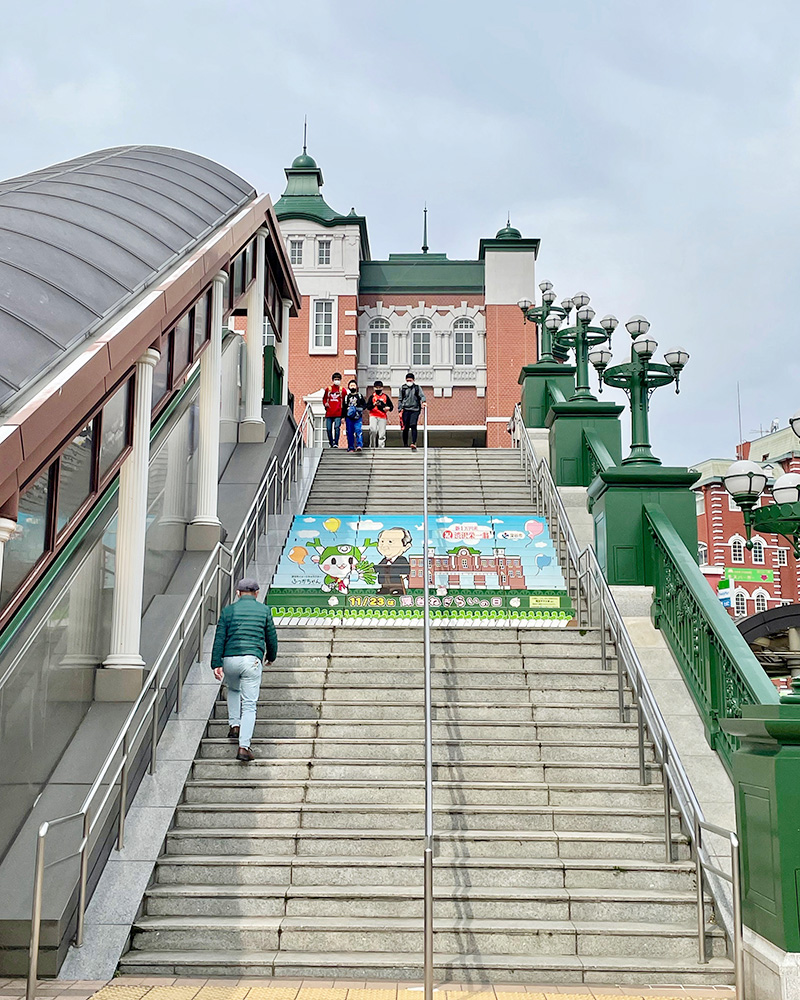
245, 632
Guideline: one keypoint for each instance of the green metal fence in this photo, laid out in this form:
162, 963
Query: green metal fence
720, 671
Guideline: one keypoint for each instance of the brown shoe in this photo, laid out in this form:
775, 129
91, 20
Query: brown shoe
245, 754
233, 734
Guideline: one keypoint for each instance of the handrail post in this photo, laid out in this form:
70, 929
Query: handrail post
738, 942
84, 875
36, 915
426, 639
123, 795
667, 801
701, 902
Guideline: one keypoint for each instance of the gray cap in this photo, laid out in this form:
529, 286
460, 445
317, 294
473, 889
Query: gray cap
247, 584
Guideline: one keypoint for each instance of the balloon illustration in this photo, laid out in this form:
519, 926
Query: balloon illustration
534, 528
332, 524
298, 554
542, 561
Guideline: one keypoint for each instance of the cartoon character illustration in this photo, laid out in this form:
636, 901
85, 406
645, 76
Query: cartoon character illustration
342, 565
394, 569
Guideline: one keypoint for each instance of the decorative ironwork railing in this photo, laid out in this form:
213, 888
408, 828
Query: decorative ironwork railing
720, 671
599, 456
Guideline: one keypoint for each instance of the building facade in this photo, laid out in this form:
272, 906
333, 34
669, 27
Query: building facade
454, 323
766, 576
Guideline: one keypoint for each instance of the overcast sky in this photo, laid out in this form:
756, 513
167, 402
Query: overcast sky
654, 147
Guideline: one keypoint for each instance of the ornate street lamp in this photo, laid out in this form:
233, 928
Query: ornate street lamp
640, 378
583, 336
547, 317
746, 481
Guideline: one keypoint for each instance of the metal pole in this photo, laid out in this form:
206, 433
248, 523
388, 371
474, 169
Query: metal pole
640, 736
84, 875
426, 633
36, 916
667, 803
123, 794
701, 902
738, 943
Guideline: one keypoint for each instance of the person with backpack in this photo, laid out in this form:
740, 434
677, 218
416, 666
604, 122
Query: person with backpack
333, 401
354, 406
411, 403
245, 633
379, 404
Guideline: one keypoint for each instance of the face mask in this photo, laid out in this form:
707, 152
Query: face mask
337, 381
409, 383
353, 388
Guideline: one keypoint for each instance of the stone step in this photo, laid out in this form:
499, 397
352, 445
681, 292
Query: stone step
446, 634
454, 872
444, 750
506, 937
474, 903
356, 770
449, 843
448, 692
371, 792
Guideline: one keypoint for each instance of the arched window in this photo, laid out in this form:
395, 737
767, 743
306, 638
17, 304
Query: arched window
758, 552
740, 603
737, 549
379, 342
463, 329
760, 598
702, 554
421, 342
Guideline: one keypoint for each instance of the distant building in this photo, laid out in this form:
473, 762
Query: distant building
454, 323
466, 568
767, 575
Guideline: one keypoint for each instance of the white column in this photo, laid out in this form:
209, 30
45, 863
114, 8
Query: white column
126, 620
283, 349
252, 428
204, 531
7, 529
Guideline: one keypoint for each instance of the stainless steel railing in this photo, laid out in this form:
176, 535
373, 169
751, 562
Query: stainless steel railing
426, 640
596, 607
145, 712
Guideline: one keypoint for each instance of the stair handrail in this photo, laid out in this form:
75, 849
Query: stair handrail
145, 710
426, 643
591, 587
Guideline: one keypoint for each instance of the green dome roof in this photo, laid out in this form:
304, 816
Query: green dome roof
508, 232
304, 161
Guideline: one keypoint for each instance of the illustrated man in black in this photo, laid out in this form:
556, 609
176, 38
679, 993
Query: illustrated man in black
394, 569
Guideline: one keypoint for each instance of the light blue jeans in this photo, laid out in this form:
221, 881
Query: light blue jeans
243, 679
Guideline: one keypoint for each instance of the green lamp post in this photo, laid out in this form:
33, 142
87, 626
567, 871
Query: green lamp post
746, 481
547, 317
580, 338
640, 378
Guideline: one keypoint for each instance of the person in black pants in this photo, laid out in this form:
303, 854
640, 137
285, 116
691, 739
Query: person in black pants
410, 405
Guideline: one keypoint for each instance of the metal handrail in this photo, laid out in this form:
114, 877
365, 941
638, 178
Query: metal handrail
426, 640
595, 604
146, 709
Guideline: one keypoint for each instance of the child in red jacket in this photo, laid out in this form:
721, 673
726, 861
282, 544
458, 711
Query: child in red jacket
333, 399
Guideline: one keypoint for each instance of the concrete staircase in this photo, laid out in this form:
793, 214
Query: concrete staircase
549, 853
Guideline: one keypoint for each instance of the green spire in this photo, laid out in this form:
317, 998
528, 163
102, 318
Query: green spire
425, 228
508, 232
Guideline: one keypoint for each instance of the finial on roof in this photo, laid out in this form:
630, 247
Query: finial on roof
305, 133
425, 229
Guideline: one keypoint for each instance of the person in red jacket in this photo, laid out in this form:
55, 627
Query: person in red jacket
333, 399
379, 404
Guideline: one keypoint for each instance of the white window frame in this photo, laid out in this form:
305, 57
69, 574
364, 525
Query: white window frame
312, 317
380, 327
732, 505
737, 549
760, 596
463, 329
782, 557
758, 552
702, 554
421, 326
324, 248
296, 250
740, 593
700, 502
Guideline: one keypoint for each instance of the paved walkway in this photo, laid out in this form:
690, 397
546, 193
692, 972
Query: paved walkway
145, 988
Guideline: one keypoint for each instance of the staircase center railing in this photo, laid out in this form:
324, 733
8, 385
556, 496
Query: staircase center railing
426, 643
596, 607
142, 721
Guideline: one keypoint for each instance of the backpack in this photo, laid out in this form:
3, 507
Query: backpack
416, 390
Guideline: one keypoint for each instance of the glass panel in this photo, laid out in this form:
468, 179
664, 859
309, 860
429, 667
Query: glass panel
181, 346
323, 324
201, 322
26, 546
114, 437
75, 475
238, 276
161, 373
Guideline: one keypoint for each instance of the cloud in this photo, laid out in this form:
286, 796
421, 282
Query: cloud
309, 520
498, 520
308, 534
370, 525
353, 525
444, 520
541, 545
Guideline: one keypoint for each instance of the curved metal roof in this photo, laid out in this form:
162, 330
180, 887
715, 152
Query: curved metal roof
80, 239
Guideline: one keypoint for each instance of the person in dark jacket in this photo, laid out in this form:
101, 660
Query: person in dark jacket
354, 406
245, 633
412, 401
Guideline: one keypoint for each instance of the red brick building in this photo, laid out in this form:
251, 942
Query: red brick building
767, 575
465, 567
454, 323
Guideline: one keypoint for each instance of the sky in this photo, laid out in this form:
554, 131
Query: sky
653, 147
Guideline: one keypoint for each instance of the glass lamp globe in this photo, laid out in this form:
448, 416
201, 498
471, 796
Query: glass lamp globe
586, 314
645, 346
581, 299
524, 304
786, 488
600, 357
609, 323
566, 305
545, 286
549, 296
676, 358
553, 321
745, 481
794, 423
636, 326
